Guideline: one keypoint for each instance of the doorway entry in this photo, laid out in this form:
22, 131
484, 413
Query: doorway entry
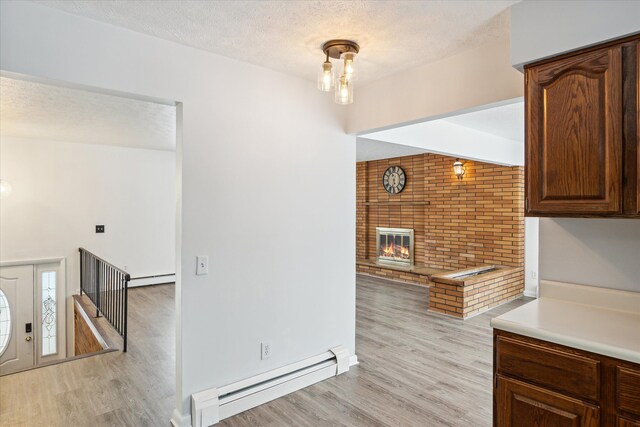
32, 313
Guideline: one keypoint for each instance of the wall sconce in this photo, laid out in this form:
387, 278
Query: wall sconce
345, 50
458, 168
5, 189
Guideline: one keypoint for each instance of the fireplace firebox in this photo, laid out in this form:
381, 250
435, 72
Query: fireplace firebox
395, 246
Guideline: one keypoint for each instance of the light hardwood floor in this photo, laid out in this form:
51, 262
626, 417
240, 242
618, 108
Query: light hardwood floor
135, 389
416, 369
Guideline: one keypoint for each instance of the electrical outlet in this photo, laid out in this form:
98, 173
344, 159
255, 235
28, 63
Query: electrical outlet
100, 228
265, 350
534, 275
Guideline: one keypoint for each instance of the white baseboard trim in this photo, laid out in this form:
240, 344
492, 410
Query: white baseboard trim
179, 420
531, 294
135, 283
353, 360
210, 406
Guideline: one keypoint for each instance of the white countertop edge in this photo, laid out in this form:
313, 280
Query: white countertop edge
569, 341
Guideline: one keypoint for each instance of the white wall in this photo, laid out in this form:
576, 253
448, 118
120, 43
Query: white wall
62, 190
267, 170
597, 252
540, 29
531, 256
460, 82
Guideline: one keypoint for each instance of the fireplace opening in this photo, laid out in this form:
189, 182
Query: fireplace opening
395, 245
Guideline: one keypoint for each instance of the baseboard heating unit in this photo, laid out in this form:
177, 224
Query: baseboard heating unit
210, 406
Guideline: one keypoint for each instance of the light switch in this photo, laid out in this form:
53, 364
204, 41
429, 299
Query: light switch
202, 266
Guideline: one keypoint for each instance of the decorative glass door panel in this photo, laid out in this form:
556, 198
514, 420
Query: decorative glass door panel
50, 313
49, 320
5, 322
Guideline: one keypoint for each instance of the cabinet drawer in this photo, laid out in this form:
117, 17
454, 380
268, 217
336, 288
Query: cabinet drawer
522, 404
628, 390
625, 422
558, 370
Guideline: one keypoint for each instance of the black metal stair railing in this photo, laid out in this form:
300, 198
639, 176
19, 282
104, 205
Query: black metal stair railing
107, 287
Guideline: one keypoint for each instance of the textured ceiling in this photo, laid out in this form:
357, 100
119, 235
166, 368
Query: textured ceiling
287, 35
35, 110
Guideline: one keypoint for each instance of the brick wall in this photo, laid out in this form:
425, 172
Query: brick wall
469, 222
476, 295
457, 224
387, 273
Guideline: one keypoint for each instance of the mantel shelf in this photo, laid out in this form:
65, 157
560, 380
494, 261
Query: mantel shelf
407, 202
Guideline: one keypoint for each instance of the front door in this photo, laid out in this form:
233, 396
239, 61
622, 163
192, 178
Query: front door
16, 319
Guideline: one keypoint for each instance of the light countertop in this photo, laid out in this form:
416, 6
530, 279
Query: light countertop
580, 317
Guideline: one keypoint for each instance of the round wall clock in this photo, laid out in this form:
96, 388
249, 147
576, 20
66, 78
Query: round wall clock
394, 180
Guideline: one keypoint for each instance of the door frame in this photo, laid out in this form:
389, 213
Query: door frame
65, 338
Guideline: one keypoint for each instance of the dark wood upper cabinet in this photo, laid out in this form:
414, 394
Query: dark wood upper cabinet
581, 136
574, 150
630, 119
632, 127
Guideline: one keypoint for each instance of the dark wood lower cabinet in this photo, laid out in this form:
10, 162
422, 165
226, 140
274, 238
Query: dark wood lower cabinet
542, 384
521, 404
625, 422
628, 389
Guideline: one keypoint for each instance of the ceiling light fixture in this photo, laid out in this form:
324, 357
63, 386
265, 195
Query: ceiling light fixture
326, 76
346, 50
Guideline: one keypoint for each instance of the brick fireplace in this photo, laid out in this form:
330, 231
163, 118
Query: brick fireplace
394, 246
457, 224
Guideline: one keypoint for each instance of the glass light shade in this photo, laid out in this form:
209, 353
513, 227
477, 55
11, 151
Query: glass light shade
326, 77
349, 69
5, 189
344, 91
458, 168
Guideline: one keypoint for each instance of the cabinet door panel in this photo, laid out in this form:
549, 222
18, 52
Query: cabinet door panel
628, 390
520, 404
574, 134
637, 125
631, 133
